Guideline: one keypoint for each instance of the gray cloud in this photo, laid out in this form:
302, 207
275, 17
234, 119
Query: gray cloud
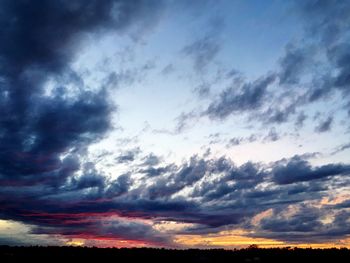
272, 136
301, 79
240, 140
293, 64
325, 125
250, 96
298, 170
128, 156
203, 51
341, 148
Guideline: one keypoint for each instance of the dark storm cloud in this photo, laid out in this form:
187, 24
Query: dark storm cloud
43, 136
179, 178
45, 34
90, 178
119, 186
304, 224
134, 231
234, 189
250, 96
38, 41
98, 228
299, 170
231, 195
344, 204
233, 181
306, 220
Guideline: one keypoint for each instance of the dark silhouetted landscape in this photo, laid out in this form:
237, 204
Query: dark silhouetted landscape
83, 254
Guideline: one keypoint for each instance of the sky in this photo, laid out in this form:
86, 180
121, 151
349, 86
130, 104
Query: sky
177, 124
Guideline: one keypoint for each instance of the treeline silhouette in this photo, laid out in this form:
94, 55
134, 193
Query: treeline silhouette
129, 255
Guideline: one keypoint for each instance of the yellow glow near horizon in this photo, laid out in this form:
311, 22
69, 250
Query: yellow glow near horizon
239, 239
230, 239
75, 242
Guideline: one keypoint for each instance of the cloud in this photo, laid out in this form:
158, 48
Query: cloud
233, 182
317, 14
208, 193
299, 170
203, 51
341, 57
341, 148
293, 64
90, 178
325, 125
184, 121
151, 160
35, 48
119, 186
276, 114
250, 96
168, 69
97, 228
303, 222
203, 90
272, 136
300, 80
128, 156
326, 25
151, 171
300, 119
239, 140
44, 134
